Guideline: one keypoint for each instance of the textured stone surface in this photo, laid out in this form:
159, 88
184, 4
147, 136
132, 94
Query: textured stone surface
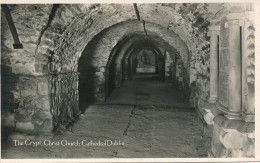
217, 148
237, 125
41, 86
64, 98
233, 138
24, 126
146, 131
208, 116
8, 120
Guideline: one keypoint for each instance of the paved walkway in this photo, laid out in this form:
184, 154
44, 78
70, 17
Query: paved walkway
147, 89
144, 118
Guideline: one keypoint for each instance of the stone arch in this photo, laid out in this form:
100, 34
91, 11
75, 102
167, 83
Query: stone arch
137, 39
86, 22
129, 56
97, 53
65, 32
63, 37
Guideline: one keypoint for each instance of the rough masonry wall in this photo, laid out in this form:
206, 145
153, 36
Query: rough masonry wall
227, 137
137, 41
83, 22
65, 101
25, 93
97, 57
168, 67
38, 89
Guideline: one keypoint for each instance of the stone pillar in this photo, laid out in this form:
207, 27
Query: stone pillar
130, 71
118, 72
126, 69
156, 64
235, 73
214, 32
127, 65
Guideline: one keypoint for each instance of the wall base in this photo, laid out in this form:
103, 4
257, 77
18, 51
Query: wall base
225, 137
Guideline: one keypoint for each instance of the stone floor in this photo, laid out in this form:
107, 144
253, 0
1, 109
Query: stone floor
144, 118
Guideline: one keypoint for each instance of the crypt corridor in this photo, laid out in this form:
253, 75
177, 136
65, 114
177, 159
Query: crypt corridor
135, 115
168, 80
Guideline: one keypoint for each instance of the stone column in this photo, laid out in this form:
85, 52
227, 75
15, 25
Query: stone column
214, 32
118, 73
126, 69
156, 64
235, 73
131, 71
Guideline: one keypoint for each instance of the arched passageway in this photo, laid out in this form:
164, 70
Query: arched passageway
145, 75
104, 64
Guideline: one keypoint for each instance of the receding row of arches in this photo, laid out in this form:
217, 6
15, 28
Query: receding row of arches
118, 52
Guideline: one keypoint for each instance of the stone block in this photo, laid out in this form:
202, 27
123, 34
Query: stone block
23, 68
42, 115
100, 75
41, 68
20, 136
48, 42
232, 140
41, 58
24, 126
249, 118
23, 115
27, 87
234, 125
249, 148
47, 126
29, 103
8, 119
236, 153
102, 69
208, 117
43, 103
42, 89
217, 148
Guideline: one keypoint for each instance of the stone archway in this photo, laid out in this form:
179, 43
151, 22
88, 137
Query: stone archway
97, 54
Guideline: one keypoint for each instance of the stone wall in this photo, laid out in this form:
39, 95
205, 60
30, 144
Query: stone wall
98, 52
25, 93
29, 106
40, 83
229, 137
232, 138
168, 67
39, 28
64, 99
